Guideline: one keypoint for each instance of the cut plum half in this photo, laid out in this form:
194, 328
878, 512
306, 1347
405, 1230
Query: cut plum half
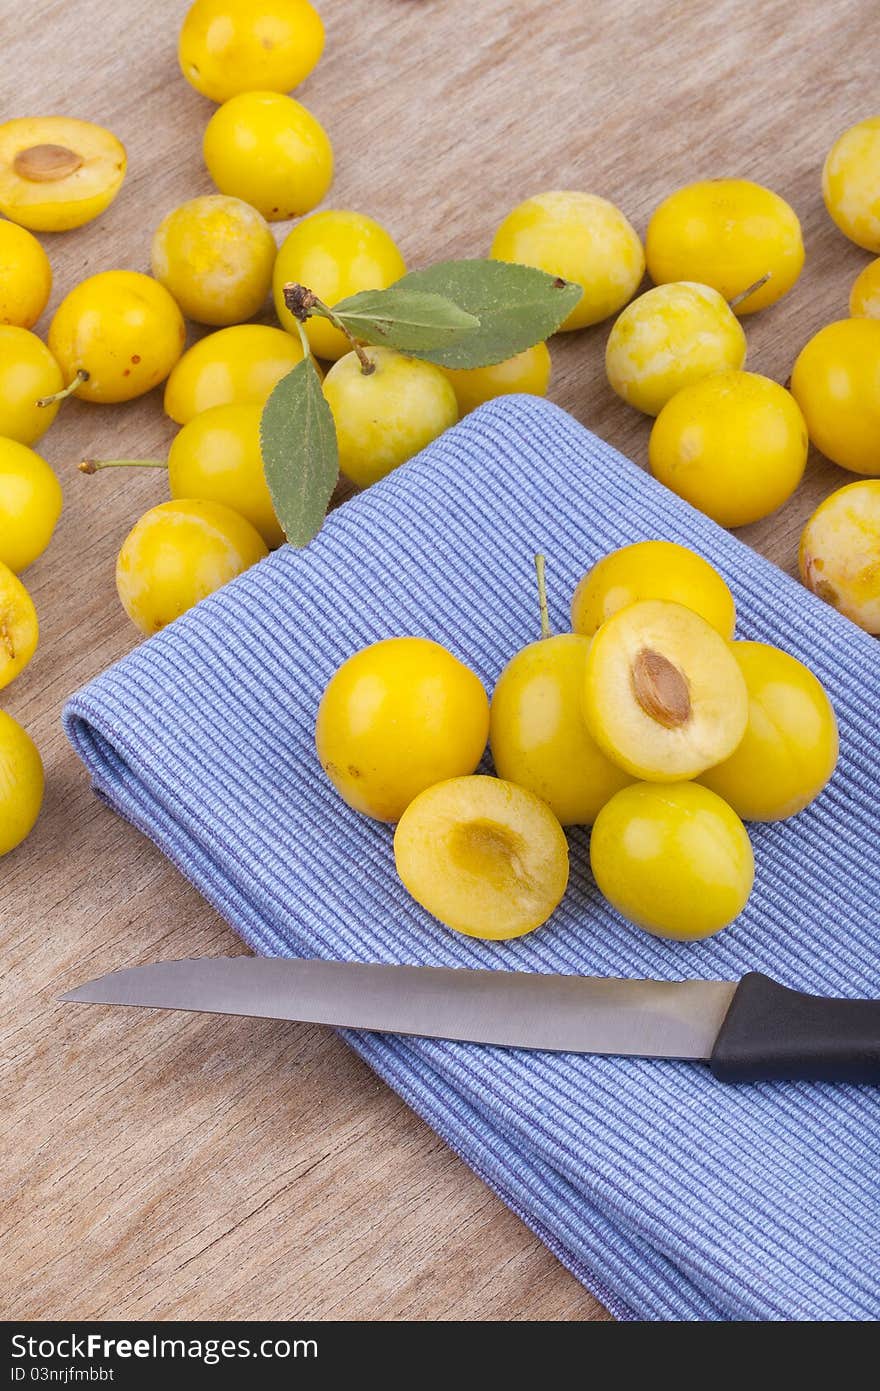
663, 695
485, 857
57, 173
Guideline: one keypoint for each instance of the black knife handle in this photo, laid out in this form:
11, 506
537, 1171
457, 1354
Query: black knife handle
771, 1033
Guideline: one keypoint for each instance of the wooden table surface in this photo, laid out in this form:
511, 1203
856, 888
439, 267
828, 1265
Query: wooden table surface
184, 1167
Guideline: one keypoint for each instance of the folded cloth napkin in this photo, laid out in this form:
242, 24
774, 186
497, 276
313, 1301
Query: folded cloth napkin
670, 1195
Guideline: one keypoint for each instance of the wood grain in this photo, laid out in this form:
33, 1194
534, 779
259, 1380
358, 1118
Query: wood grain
174, 1167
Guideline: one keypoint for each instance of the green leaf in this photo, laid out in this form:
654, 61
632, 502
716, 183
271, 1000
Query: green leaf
517, 306
300, 455
409, 320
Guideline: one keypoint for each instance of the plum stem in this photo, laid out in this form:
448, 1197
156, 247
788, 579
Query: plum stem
303, 303
93, 465
62, 395
304, 339
749, 291
546, 630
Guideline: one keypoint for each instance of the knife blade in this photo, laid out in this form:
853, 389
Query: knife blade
748, 1030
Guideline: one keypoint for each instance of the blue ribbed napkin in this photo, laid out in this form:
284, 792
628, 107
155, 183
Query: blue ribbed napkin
668, 1194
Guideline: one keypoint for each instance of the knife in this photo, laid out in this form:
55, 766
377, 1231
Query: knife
747, 1031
